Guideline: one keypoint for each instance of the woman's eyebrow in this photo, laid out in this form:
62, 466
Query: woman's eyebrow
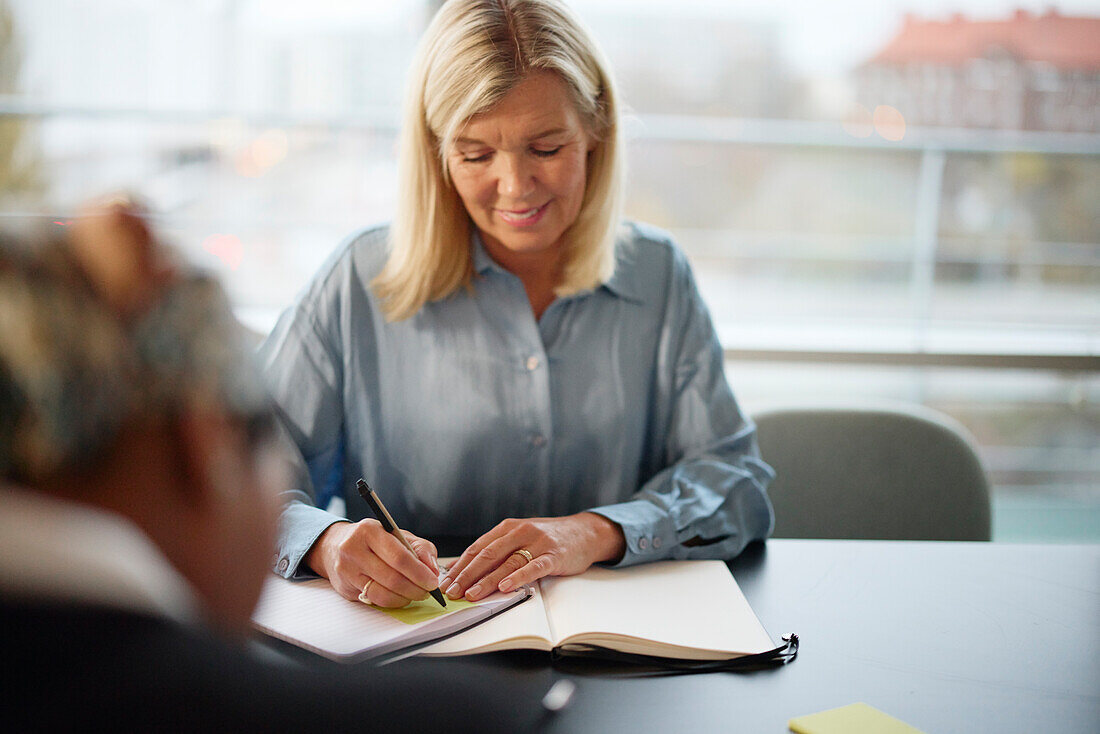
538, 136
468, 141
548, 133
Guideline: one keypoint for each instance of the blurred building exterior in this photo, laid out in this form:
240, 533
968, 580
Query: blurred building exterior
1026, 72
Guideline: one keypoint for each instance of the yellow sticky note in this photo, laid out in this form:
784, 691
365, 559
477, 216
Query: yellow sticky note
856, 718
416, 612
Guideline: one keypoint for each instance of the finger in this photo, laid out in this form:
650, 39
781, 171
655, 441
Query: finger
489, 559
381, 596
377, 567
350, 577
345, 586
425, 551
359, 556
487, 585
470, 553
467, 555
394, 553
463, 573
393, 580
346, 572
529, 573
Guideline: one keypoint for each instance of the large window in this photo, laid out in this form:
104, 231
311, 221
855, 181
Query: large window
877, 206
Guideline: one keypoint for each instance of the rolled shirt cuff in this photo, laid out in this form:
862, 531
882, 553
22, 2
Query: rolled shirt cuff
647, 530
300, 526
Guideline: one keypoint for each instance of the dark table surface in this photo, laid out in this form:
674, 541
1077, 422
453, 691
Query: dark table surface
948, 637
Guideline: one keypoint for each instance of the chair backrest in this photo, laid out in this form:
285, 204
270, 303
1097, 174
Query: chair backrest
898, 472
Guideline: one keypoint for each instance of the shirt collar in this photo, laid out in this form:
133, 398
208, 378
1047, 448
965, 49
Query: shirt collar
482, 262
622, 283
53, 550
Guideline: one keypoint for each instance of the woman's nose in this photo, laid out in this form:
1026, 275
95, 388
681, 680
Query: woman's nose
514, 179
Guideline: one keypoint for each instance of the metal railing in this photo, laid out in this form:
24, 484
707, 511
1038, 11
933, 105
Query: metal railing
933, 145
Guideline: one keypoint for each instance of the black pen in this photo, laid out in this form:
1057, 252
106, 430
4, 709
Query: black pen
383, 516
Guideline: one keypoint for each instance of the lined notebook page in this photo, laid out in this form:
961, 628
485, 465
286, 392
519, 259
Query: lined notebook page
312, 615
688, 604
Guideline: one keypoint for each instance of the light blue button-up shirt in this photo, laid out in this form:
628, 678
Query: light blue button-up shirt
472, 411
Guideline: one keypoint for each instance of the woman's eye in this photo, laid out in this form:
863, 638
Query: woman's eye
475, 158
545, 152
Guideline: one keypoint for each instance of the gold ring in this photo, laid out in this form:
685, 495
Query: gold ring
523, 552
363, 594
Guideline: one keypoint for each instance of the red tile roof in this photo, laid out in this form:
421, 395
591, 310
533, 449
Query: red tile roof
1065, 42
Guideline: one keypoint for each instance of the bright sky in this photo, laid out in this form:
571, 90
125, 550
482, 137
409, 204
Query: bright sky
325, 13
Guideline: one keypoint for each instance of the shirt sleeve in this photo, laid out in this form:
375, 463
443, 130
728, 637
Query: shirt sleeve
708, 496
303, 375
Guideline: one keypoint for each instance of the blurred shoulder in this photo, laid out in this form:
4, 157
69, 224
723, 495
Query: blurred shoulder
644, 236
362, 253
648, 256
348, 269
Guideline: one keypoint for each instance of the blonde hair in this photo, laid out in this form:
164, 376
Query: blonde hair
473, 54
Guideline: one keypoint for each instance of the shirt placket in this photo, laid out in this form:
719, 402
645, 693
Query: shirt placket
540, 431
531, 397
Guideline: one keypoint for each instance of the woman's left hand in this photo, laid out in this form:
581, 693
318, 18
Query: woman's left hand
559, 546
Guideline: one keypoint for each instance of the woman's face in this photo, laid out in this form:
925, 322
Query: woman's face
520, 168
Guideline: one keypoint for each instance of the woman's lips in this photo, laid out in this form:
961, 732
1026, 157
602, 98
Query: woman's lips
523, 217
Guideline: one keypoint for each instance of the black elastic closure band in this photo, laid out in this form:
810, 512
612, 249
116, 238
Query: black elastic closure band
777, 656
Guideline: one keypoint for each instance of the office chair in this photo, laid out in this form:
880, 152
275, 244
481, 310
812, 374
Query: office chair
901, 472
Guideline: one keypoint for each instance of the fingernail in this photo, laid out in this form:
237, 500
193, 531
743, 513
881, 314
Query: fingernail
453, 591
506, 585
445, 583
474, 592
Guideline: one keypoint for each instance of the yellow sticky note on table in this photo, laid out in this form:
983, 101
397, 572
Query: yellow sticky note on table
856, 718
416, 612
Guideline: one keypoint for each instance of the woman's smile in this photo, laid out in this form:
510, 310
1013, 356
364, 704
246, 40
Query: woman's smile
523, 217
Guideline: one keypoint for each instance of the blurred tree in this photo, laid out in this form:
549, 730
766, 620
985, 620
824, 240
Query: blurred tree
20, 169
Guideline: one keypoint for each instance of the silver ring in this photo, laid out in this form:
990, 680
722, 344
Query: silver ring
363, 594
523, 552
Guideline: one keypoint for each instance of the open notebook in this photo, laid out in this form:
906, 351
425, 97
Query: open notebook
685, 610
688, 610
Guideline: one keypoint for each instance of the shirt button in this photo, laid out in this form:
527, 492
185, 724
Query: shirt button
643, 543
656, 543
284, 564
532, 364
538, 440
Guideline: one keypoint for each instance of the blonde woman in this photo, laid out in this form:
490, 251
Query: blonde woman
520, 374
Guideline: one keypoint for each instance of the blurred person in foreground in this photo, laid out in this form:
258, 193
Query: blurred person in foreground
138, 502
525, 377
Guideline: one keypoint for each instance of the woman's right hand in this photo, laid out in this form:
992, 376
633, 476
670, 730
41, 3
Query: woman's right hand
351, 554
